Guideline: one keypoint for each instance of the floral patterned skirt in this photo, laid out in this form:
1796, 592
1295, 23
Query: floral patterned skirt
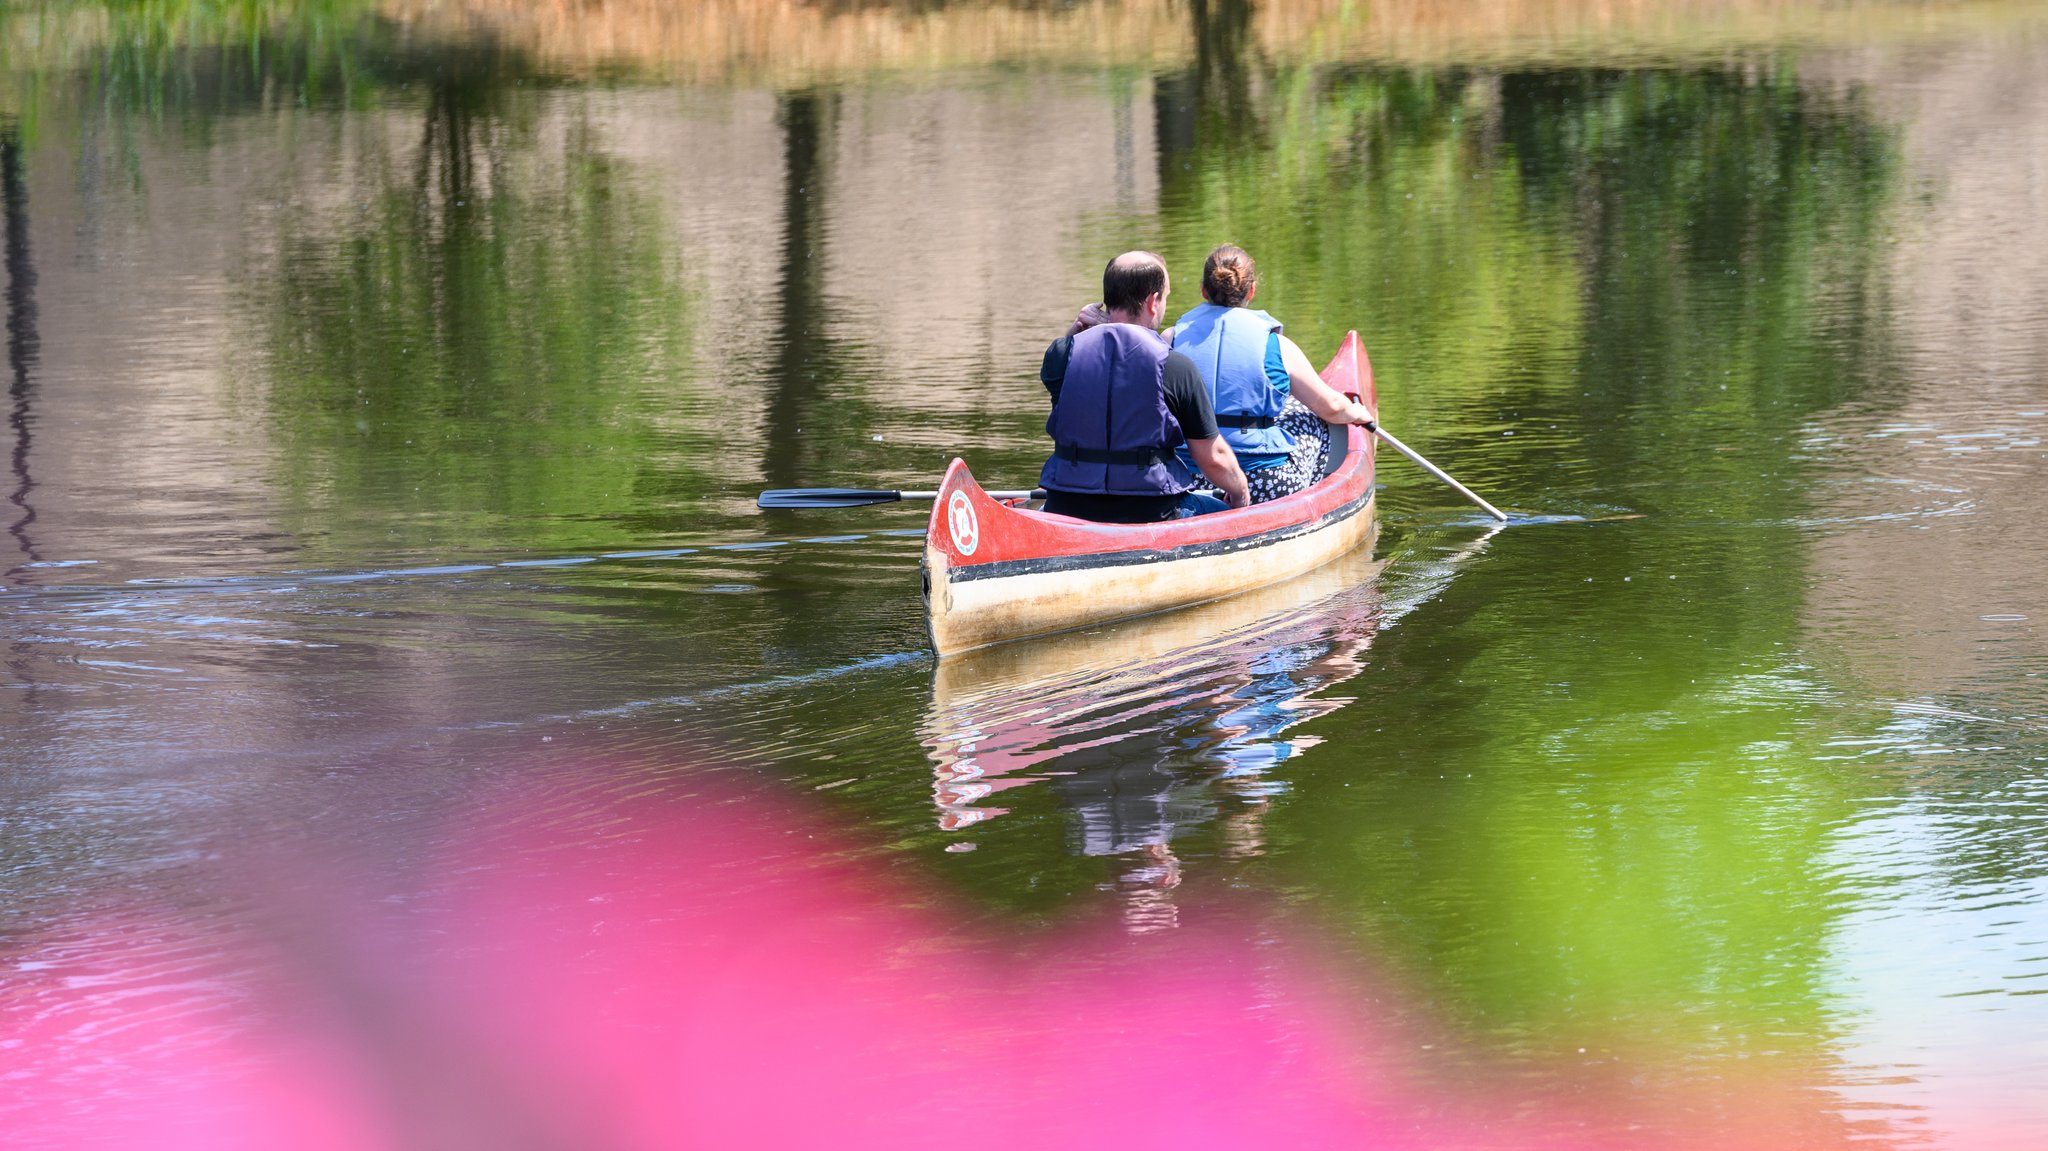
1304, 466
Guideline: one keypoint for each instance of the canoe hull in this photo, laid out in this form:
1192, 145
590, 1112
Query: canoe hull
995, 572
966, 614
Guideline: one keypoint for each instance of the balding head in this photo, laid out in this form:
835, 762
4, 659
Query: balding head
1130, 280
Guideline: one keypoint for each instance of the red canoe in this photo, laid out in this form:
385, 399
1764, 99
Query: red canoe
994, 572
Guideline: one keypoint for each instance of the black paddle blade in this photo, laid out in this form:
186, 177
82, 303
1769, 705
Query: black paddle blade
825, 497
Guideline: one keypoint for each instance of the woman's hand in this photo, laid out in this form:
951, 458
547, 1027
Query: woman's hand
1329, 404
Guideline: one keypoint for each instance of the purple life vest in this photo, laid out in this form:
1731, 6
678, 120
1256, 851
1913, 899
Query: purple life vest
1111, 431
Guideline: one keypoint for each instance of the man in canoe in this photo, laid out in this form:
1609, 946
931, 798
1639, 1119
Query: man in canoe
1122, 401
1275, 412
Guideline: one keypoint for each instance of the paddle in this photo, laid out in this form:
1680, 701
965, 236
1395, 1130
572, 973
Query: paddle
860, 497
1432, 469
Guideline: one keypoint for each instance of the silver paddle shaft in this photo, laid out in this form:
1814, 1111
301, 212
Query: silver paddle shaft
1033, 494
1438, 472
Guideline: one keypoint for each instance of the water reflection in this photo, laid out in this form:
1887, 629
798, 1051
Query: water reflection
1219, 81
484, 343
1149, 728
1144, 729
21, 337
806, 371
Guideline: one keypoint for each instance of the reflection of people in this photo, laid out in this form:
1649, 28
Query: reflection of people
1128, 802
1141, 729
1131, 795
1122, 401
1269, 402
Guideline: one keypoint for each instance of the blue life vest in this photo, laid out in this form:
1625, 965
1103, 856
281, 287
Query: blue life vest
1111, 431
1229, 346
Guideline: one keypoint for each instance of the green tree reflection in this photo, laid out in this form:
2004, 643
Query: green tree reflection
484, 349
476, 342
1379, 202
1580, 808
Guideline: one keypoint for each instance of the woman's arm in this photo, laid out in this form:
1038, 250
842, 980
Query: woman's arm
1306, 386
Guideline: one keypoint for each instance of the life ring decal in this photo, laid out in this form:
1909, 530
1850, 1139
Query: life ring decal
960, 521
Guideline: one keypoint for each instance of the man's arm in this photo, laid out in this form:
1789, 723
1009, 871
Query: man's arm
1095, 314
1305, 385
1053, 371
1088, 317
1219, 463
1187, 400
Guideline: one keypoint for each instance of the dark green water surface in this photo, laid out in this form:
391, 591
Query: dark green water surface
386, 411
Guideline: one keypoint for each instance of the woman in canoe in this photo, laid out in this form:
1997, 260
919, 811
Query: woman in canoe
1272, 407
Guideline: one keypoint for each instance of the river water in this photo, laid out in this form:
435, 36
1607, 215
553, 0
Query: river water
414, 736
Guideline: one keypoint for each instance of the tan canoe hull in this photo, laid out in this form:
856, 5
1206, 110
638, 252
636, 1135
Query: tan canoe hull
964, 615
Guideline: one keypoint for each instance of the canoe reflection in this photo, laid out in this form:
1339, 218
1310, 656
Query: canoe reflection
1153, 725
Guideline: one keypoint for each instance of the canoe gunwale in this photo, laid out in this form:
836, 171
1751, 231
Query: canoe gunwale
1054, 565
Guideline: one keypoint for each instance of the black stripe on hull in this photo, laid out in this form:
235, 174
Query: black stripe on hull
1092, 561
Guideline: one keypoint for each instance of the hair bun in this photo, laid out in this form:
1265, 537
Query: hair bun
1229, 276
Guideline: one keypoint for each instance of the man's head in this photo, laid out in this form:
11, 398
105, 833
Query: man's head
1134, 288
